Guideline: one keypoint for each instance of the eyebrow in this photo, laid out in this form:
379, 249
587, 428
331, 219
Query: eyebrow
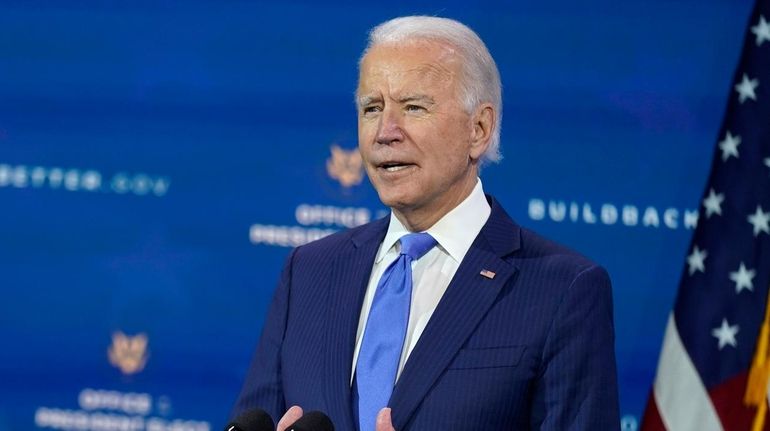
416, 98
365, 100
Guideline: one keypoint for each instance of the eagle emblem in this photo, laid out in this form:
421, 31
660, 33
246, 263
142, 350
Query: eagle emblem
345, 166
128, 354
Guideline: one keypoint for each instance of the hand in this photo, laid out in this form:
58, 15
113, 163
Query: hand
292, 415
384, 422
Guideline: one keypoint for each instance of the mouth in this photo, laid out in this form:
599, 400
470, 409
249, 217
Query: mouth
394, 166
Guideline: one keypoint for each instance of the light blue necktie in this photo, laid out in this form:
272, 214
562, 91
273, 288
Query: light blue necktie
385, 331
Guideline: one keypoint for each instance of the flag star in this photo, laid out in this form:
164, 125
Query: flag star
760, 220
729, 146
743, 278
695, 260
746, 89
767, 162
726, 334
713, 203
762, 31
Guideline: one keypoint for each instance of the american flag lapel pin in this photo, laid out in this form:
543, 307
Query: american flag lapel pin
487, 273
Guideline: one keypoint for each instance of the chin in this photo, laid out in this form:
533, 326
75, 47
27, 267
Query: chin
395, 199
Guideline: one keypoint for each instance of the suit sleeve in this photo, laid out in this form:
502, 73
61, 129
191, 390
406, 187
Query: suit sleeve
577, 389
263, 387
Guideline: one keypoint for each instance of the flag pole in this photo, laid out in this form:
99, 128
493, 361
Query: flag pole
759, 374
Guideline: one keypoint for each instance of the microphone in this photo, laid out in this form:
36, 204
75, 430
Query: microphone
312, 421
252, 420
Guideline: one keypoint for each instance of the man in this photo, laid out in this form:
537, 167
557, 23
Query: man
446, 315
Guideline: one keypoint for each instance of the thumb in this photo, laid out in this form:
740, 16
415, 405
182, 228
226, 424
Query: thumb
384, 421
291, 416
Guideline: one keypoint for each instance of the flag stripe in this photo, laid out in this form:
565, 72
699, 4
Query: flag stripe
651, 420
681, 398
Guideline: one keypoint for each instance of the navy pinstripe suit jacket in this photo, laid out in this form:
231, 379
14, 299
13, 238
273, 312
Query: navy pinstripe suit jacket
531, 348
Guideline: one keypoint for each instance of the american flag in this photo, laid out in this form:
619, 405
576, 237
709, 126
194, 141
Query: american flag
715, 347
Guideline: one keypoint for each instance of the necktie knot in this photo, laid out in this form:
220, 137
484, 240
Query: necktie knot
415, 245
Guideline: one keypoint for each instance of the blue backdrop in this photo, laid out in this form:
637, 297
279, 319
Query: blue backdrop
159, 159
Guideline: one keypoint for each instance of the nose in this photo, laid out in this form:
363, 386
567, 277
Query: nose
390, 127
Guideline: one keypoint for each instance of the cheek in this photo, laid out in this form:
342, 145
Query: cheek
364, 145
447, 152
366, 133
455, 141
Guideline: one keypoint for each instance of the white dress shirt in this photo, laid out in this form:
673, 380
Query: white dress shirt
431, 274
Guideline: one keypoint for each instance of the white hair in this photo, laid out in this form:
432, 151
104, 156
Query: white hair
480, 80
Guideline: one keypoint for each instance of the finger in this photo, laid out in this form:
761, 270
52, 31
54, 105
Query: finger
292, 415
384, 421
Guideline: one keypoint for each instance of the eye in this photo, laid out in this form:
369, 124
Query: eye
415, 108
371, 109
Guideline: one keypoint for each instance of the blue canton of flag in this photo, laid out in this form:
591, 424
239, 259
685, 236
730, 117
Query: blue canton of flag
714, 347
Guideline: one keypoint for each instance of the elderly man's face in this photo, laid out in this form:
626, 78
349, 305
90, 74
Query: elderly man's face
417, 141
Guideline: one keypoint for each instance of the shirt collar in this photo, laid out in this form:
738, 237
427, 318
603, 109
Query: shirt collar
455, 232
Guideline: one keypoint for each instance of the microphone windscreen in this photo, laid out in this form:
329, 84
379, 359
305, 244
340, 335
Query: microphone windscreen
252, 420
312, 421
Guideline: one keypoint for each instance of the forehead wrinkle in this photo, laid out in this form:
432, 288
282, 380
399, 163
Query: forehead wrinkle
431, 70
410, 83
394, 79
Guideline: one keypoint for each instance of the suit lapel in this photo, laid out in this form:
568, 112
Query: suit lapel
465, 302
349, 277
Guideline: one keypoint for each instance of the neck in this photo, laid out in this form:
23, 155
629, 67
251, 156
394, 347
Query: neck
421, 219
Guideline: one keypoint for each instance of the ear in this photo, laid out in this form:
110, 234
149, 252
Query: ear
483, 122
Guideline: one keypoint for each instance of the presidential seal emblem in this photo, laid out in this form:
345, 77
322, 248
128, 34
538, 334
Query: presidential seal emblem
128, 354
345, 166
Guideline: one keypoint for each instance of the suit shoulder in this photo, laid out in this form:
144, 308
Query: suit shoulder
554, 256
329, 245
